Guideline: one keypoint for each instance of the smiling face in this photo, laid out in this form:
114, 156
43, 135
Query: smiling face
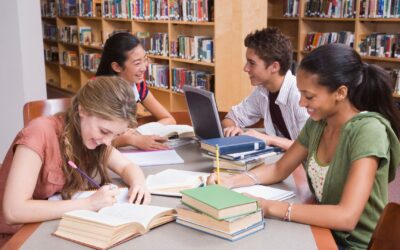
134, 66
96, 131
317, 99
259, 73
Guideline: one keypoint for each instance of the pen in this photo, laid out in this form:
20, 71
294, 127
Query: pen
74, 166
217, 159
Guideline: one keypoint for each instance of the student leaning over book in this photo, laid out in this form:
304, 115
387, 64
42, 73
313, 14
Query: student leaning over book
123, 55
35, 166
350, 146
275, 98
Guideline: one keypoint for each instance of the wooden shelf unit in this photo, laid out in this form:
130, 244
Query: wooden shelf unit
233, 20
298, 27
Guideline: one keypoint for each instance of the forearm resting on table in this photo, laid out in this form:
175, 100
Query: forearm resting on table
40, 210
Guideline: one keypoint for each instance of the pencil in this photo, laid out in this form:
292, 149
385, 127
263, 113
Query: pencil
217, 160
74, 166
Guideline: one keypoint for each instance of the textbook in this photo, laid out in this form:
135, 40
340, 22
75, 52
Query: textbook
232, 237
234, 144
229, 226
218, 201
247, 154
248, 163
170, 131
113, 225
171, 181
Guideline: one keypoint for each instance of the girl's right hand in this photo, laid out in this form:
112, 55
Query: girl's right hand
104, 197
226, 180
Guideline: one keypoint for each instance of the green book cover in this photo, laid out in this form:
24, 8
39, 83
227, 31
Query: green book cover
218, 197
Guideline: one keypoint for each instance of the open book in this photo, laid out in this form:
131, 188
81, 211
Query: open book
113, 225
265, 192
156, 128
171, 181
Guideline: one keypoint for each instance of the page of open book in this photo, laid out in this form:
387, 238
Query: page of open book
266, 192
121, 198
155, 128
142, 214
171, 181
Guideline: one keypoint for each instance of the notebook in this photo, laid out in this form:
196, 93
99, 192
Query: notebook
266, 192
152, 158
203, 113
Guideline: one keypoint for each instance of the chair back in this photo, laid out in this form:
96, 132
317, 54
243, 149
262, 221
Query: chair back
387, 232
47, 107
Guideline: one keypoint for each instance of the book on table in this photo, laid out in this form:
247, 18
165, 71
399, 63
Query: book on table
112, 225
266, 192
234, 144
169, 131
232, 237
171, 181
248, 163
218, 201
231, 225
247, 154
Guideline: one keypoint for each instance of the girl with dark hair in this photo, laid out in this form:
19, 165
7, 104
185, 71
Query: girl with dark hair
35, 166
350, 146
124, 56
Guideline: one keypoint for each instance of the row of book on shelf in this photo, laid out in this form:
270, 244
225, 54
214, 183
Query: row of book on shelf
182, 10
316, 39
198, 48
330, 8
343, 8
380, 45
380, 8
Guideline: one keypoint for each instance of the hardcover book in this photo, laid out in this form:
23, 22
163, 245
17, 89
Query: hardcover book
113, 225
234, 144
218, 201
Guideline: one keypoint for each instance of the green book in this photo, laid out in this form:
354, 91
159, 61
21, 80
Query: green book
218, 201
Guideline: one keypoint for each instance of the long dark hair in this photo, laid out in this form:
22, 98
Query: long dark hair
109, 98
369, 86
115, 50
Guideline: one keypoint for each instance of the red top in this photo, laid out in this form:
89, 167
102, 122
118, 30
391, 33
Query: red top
42, 135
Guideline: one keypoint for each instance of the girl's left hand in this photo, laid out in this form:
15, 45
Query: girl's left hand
139, 194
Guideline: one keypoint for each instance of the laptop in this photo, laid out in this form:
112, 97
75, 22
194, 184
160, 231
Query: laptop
203, 113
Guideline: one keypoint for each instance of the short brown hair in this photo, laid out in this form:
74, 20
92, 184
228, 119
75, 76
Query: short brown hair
271, 45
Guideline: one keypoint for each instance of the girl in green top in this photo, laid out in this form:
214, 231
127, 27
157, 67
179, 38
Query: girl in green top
349, 145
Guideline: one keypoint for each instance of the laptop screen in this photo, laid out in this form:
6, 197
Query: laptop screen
203, 113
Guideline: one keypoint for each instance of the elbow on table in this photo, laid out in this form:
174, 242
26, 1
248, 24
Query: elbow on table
10, 215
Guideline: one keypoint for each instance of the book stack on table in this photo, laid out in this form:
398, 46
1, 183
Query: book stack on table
240, 153
219, 211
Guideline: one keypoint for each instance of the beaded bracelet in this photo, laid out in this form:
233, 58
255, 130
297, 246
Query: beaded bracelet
288, 212
252, 176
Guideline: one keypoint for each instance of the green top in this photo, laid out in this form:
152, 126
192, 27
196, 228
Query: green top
366, 134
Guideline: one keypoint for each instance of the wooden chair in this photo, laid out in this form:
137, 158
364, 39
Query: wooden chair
38, 108
387, 232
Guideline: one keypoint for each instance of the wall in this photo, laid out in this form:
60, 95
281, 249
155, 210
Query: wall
22, 76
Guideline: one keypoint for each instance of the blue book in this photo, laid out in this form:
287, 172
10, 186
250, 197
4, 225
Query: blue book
234, 144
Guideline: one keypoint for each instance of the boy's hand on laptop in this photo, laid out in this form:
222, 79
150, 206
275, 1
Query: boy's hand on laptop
232, 131
151, 142
256, 134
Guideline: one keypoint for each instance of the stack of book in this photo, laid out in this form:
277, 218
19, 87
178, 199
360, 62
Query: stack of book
219, 211
240, 153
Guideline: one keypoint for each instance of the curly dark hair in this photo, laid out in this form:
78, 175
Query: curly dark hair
271, 45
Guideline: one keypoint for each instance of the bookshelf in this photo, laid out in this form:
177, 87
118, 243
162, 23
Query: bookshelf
298, 26
232, 21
